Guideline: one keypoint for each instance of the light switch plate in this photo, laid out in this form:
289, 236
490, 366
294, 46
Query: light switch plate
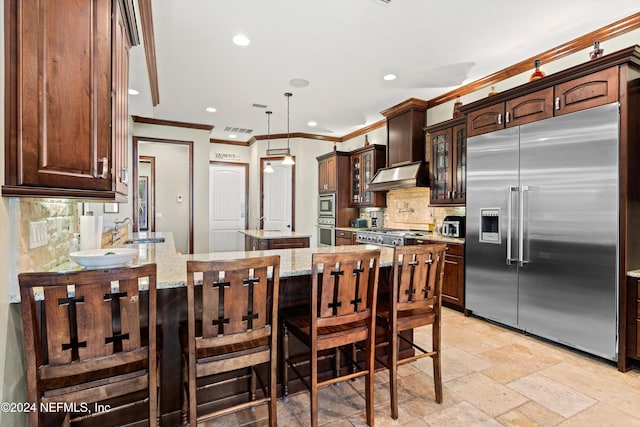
38, 234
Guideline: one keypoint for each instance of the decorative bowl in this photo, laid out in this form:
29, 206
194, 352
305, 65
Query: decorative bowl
103, 258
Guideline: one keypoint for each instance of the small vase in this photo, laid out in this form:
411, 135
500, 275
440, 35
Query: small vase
492, 91
456, 108
537, 73
596, 52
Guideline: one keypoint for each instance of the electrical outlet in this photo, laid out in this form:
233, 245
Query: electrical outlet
38, 234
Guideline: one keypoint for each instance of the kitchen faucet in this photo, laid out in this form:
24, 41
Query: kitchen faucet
115, 233
259, 221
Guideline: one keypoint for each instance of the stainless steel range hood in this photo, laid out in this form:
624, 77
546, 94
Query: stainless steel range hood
407, 175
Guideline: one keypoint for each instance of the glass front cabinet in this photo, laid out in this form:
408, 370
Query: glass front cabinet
365, 162
447, 143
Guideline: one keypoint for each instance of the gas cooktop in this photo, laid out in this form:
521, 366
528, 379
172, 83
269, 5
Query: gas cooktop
387, 236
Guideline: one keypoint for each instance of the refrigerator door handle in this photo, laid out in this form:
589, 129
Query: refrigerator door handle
521, 259
509, 225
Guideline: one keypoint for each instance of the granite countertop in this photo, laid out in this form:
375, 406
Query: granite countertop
274, 234
172, 268
634, 273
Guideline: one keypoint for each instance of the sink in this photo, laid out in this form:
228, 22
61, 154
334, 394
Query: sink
103, 258
142, 240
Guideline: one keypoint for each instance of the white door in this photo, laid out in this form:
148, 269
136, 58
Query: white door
277, 191
227, 207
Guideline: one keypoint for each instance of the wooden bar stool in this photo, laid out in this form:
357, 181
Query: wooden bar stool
414, 300
341, 312
87, 342
232, 327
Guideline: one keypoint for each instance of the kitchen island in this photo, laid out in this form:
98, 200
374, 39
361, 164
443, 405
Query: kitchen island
255, 240
295, 283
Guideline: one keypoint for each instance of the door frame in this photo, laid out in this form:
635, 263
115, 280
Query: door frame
263, 161
152, 194
189, 145
246, 186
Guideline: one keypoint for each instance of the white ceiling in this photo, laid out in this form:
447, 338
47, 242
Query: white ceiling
343, 48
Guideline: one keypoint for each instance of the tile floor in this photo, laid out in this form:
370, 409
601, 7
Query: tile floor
492, 377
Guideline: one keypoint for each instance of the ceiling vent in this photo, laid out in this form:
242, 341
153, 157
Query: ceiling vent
385, 2
259, 105
237, 130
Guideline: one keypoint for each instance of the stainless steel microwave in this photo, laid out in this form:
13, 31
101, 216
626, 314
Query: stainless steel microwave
327, 206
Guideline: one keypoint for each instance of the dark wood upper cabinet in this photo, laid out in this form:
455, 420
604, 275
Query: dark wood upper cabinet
448, 163
513, 112
328, 173
405, 131
529, 108
67, 117
585, 92
365, 162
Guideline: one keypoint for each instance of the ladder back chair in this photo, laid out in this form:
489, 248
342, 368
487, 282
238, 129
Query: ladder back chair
232, 326
414, 301
341, 312
90, 339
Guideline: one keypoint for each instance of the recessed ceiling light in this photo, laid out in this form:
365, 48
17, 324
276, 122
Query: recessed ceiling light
133, 92
210, 110
390, 77
241, 40
312, 123
233, 135
299, 82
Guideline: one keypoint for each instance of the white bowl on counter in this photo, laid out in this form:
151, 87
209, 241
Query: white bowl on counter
104, 258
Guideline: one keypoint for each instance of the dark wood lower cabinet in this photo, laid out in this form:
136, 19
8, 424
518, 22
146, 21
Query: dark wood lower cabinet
345, 237
453, 285
632, 323
257, 244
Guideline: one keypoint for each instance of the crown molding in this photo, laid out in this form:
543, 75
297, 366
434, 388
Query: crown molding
576, 45
151, 121
230, 142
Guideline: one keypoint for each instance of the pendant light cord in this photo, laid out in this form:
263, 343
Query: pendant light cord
288, 95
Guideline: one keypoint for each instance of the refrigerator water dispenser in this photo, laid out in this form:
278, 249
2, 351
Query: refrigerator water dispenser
490, 225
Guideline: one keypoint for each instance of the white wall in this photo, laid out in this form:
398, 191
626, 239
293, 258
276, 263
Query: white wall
305, 152
200, 139
172, 179
377, 136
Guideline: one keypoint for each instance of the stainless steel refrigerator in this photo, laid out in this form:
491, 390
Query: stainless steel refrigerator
542, 228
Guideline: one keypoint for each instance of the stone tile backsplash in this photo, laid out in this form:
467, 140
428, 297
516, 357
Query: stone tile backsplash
61, 216
409, 208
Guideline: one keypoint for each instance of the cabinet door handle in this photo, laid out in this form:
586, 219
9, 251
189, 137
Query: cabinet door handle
499, 118
105, 167
506, 117
557, 102
125, 176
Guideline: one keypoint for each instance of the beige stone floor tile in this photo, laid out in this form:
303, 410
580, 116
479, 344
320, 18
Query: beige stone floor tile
526, 354
597, 386
555, 396
602, 415
472, 341
486, 394
456, 363
258, 416
507, 371
380, 390
462, 414
514, 418
540, 414
417, 386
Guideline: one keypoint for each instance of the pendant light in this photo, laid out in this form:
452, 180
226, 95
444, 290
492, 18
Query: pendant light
268, 168
288, 160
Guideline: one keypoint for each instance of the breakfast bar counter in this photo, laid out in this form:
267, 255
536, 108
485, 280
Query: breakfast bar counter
295, 284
